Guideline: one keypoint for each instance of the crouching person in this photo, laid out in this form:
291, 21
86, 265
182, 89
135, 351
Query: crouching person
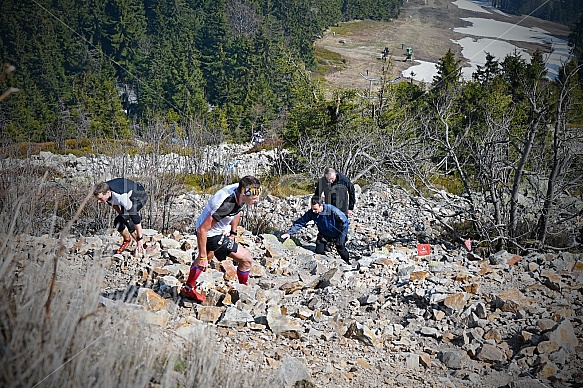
216, 229
126, 197
332, 226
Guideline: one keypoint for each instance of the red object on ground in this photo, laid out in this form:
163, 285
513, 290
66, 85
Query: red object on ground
423, 249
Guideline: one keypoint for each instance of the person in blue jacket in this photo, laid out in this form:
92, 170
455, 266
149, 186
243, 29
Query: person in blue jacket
332, 226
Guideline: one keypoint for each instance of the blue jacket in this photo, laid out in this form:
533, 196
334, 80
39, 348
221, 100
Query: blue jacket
331, 222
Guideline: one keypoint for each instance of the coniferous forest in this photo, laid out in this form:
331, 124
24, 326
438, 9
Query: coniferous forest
233, 64
560, 11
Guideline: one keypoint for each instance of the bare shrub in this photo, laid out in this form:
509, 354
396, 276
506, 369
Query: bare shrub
243, 18
258, 222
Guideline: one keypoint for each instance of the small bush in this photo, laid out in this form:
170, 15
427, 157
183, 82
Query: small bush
328, 62
258, 223
268, 144
288, 185
207, 182
451, 184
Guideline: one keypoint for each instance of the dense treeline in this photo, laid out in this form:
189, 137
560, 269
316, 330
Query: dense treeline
230, 64
559, 11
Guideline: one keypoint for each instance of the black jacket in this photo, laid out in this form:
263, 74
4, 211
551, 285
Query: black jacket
339, 193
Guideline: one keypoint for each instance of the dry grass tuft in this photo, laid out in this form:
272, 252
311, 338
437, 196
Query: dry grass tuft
57, 330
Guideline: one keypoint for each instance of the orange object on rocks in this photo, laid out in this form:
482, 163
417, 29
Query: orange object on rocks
423, 249
191, 293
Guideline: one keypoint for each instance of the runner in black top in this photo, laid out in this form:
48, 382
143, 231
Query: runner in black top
127, 198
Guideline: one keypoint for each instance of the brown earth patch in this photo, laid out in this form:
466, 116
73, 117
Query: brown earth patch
426, 26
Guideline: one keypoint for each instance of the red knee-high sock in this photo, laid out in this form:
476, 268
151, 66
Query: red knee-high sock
243, 276
193, 275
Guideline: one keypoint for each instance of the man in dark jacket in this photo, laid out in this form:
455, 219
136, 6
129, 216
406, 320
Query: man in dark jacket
337, 190
332, 226
127, 198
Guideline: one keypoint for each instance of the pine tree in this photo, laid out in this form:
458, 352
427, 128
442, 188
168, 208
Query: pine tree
576, 39
125, 35
485, 74
448, 72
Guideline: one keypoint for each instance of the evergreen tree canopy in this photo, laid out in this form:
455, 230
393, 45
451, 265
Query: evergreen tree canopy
144, 59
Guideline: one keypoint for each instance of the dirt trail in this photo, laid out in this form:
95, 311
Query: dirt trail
425, 25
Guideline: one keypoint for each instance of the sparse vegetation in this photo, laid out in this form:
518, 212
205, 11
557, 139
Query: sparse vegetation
86, 146
287, 185
55, 331
328, 62
257, 222
206, 182
268, 144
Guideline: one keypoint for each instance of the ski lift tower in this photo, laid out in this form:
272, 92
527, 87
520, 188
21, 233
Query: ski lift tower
370, 81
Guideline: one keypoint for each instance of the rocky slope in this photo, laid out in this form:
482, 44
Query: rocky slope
390, 318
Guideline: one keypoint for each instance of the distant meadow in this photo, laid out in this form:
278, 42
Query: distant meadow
496, 38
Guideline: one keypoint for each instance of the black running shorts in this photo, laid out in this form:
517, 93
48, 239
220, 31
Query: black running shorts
222, 246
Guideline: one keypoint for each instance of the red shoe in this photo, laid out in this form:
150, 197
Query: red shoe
191, 293
124, 246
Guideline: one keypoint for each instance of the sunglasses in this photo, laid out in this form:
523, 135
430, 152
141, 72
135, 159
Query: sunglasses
253, 190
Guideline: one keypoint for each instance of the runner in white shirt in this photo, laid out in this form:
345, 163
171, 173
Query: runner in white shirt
216, 229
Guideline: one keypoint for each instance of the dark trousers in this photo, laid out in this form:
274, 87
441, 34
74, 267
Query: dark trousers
322, 241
